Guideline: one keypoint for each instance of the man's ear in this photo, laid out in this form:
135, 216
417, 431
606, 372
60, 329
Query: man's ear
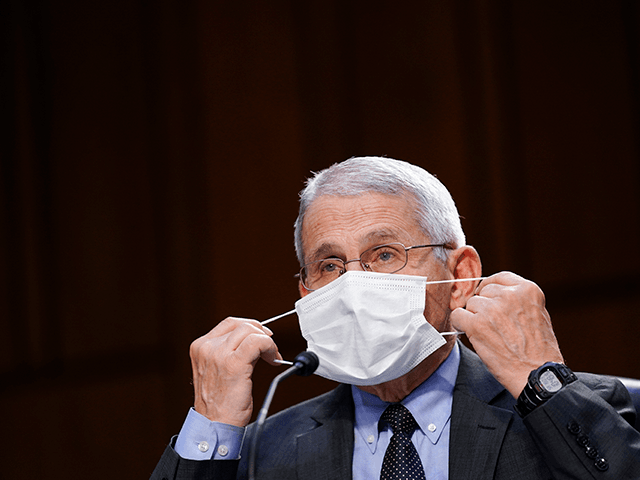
463, 262
303, 291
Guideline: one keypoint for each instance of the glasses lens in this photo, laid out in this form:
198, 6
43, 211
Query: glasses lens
316, 275
385, 258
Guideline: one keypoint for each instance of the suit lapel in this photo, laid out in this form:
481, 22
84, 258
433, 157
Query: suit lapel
326, 452
477, 427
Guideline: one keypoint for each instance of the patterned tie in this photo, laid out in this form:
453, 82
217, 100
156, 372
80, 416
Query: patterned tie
401, 460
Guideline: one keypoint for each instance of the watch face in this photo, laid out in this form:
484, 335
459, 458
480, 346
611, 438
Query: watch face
549, 381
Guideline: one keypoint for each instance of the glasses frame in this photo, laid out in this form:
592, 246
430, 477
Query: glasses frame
301, 276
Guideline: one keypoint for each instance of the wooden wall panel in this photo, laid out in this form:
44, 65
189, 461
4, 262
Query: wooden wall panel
581, 146
95, 427
150, 170
598, 335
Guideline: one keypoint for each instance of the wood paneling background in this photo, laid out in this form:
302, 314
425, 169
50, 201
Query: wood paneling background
152, 152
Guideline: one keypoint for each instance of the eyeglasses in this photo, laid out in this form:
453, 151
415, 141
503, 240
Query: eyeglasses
388, 258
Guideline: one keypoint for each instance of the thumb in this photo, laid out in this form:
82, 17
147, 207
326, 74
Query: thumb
461, 319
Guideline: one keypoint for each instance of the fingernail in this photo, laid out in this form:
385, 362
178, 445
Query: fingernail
267, 329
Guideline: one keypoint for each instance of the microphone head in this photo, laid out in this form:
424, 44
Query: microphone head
307, 363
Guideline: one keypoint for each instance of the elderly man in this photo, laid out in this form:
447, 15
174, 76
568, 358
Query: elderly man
387, 284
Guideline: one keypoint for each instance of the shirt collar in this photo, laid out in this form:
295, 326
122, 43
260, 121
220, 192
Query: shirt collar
430, 404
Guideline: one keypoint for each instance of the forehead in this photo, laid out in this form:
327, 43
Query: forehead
345, 224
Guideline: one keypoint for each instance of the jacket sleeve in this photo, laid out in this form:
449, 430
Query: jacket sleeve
585, 431
172, 467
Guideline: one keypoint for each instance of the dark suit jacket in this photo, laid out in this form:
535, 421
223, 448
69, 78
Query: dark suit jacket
314, 440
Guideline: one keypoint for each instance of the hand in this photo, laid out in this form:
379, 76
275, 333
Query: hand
223, 361
510, 329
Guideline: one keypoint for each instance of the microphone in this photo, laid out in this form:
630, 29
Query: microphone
304, 365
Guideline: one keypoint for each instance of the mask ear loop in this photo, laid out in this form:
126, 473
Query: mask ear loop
277, 317
454, 280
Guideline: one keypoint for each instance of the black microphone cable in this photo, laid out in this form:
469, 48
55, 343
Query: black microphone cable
304, 365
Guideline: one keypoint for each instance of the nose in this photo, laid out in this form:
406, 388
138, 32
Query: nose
359, 265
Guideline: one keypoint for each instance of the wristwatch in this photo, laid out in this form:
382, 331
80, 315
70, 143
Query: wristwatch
544, 383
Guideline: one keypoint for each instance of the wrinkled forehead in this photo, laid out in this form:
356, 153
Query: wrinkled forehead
358, 222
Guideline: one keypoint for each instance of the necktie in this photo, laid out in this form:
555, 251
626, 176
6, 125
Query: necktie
401, 460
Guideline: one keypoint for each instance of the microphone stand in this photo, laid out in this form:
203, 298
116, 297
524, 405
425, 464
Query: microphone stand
304, 364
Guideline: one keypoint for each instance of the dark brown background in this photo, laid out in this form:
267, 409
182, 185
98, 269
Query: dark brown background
152, 152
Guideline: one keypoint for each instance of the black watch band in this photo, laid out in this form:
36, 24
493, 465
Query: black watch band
543, 384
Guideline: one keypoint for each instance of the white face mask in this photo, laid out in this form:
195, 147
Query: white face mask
368, 328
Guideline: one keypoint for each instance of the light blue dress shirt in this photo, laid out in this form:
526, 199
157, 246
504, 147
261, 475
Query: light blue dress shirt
202, 439
430, 404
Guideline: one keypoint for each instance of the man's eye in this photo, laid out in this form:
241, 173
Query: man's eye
329, 267
385, 255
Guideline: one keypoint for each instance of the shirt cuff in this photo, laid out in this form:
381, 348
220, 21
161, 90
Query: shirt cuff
202, 439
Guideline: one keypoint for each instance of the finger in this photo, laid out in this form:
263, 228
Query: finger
231, 323
462, 319
242, 330
525, 292
478, 303
501, 278
257, 346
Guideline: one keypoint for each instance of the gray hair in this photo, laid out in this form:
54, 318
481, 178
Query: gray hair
436, 212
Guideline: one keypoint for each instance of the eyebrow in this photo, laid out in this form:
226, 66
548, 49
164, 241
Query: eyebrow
326, 250
382, 235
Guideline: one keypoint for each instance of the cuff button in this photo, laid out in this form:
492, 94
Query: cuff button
574, 428
583, 440
602, 464
591, 452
